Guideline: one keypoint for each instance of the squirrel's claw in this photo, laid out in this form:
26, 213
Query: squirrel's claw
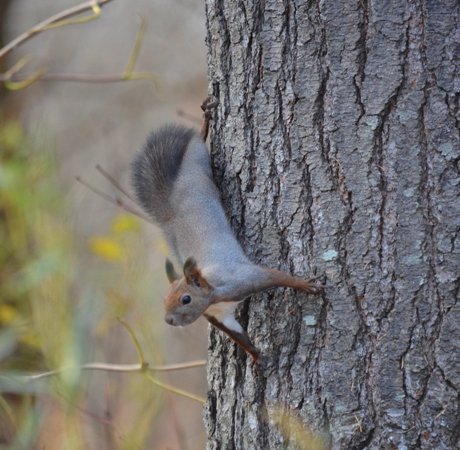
312, 287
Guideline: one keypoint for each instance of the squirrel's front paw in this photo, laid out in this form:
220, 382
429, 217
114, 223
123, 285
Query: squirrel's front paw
312, 286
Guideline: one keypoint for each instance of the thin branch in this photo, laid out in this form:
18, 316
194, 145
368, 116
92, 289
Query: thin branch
14, 85
136, 48
168, 387
81, 78
14, 82
137, 345
117, 201
148, 375
142, 367
55, 21
187, 116
121, 368
21, 83
15, 68
112, 180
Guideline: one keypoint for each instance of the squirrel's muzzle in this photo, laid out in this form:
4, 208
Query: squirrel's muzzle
170, 320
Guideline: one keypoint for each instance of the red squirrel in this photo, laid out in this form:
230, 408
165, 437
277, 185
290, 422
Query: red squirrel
172, 180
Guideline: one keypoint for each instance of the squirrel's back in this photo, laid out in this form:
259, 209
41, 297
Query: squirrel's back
156, 167
173, 182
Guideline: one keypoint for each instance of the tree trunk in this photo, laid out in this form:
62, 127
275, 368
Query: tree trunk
336, 148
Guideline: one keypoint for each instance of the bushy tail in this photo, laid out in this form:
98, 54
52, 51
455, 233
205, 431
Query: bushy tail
156, 166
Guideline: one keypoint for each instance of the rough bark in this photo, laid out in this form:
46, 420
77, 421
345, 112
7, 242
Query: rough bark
336, 148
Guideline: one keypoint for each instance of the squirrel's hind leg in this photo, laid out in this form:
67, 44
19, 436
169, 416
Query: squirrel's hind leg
238, 336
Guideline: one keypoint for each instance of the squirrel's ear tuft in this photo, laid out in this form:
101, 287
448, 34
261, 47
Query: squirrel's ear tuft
191, 271
171, 272
193, 275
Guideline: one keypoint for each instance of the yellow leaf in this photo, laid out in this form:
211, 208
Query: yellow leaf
106, 248
7, 314
125, 222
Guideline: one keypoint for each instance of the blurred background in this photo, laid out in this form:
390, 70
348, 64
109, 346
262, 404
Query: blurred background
71, 263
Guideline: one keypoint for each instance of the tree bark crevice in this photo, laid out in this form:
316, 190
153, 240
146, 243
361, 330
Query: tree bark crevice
336, 147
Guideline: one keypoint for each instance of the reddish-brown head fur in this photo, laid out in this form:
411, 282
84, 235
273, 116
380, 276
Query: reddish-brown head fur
189, 296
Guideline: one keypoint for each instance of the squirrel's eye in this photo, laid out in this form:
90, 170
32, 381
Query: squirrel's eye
186, 299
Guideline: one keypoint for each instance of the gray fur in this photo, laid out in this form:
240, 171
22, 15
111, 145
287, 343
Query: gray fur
173, 182
155, 169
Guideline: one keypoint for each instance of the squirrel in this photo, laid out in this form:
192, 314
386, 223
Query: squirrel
173, 183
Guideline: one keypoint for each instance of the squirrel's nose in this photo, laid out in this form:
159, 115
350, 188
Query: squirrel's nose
169, 320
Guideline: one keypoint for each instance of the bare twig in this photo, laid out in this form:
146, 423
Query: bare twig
117, 201
79, 78
148, 375
190, 117
142, 367
112, 180
137, 344
15, 380
136, 48
14, 82
174, 390
107, 367
23, 82
57, 20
